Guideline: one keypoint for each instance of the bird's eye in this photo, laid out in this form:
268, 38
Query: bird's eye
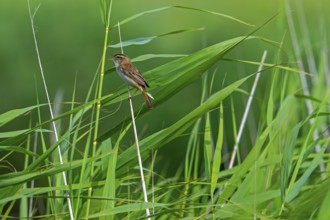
119, 56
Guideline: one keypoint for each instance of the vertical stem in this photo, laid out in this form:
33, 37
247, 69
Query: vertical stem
99, 95
308, 102
121, 43
246, 112
144, 189
98, 104
35, 144
49, 106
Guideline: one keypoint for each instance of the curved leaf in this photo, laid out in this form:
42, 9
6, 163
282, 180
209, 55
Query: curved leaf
177, 74
133, 17
164, 136
145, 40
12, 114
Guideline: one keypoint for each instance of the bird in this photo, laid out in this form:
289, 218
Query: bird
132, 76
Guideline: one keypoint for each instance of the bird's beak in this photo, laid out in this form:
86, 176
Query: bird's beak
112, 57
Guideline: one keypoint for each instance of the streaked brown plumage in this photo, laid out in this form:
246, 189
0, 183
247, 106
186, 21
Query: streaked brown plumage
131, 75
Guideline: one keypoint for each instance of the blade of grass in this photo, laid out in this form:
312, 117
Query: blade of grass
190, 162
183, 72
162, 137
109, 185
48, 101
145, 57
287, 159
15, 113
18, 150
144, 189
218, 14
127, 208
133, 17
254, 155
217, 156
324, 212
23, 209
305, 87
10, 134
146, 40
280, 66
110, 182
246, 112
106, 21
23, 176
208, 145
295, 186
78, 119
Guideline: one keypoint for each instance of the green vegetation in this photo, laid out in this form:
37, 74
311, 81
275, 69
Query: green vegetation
201, 61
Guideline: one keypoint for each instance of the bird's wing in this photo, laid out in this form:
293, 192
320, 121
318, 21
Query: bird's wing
136, 76
141, 78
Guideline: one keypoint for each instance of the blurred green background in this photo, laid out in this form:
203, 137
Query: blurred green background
70, 38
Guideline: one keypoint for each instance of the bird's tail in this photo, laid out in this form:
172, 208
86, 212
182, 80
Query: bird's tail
147, 99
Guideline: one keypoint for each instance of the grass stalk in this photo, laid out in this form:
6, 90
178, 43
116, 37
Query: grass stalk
49, 104
246, 112
35, 144
297, 53
24, 210
144, 188
100, 86
98, 104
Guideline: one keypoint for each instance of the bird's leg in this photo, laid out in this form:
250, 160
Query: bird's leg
129, 94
